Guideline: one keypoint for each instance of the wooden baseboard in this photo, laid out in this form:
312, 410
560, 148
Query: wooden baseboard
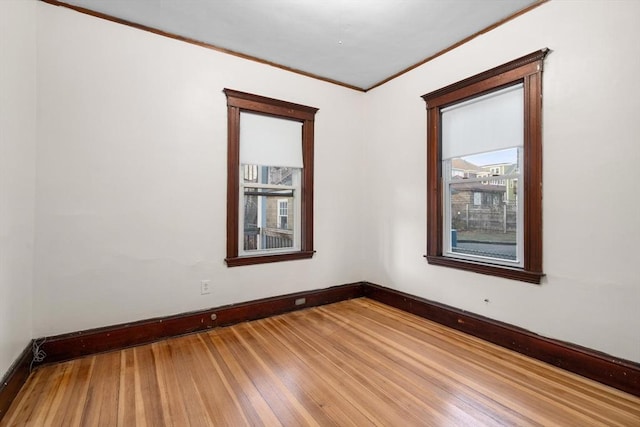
77, 344
14, 379
621, 374
618, 373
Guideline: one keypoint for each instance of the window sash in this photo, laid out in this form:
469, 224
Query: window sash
297, 206
447, 216
487, 178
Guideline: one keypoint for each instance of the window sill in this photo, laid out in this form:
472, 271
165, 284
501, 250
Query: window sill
489, 269
263, 259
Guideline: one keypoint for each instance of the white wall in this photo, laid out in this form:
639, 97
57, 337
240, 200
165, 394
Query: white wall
17, 174
132, 176
591, 294
131, 185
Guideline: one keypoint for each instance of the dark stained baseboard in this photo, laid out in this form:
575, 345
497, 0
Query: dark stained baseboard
69, 346
14, 379
621, 374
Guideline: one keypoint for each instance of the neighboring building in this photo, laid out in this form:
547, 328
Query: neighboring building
486, 191
477, 194
269, 219
278, 232
483, 205
502, 169
464, 169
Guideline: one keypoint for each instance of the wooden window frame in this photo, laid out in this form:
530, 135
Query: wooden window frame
238, 102
526, 70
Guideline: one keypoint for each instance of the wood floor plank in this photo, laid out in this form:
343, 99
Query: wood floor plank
313, 365
148, 395
515, 370
498, 379
127, 400
219, 397
254, 407
379, 392
353, 363
302, 379
189, 371
169, 384
416, 379
458, 374
38, 390
101, 396
291, 410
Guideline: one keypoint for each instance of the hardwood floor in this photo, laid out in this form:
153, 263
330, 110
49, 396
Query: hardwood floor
356, 362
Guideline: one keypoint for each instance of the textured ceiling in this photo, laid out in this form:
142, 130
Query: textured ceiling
357, 43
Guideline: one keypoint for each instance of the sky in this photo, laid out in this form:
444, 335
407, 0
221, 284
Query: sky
509, 155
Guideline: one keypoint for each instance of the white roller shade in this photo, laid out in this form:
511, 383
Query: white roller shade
490, 122
270, 141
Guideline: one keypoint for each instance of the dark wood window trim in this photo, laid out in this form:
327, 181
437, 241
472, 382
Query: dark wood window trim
240, 101
528, 71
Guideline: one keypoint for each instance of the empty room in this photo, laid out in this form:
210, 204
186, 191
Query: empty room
299, 212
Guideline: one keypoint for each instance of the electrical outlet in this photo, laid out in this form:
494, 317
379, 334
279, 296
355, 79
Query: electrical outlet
205, 287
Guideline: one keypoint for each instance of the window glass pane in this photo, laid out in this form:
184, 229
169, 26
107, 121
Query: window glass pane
281, 175
274, 175
264, 225
251, 228
250, 173
493, 163
483, 205
270, 194
488, 228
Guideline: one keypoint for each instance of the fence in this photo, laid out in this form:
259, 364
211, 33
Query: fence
469, 217
273, 242
270, 239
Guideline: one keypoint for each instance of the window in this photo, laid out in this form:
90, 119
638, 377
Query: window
269, 180
491, 123
283, 214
